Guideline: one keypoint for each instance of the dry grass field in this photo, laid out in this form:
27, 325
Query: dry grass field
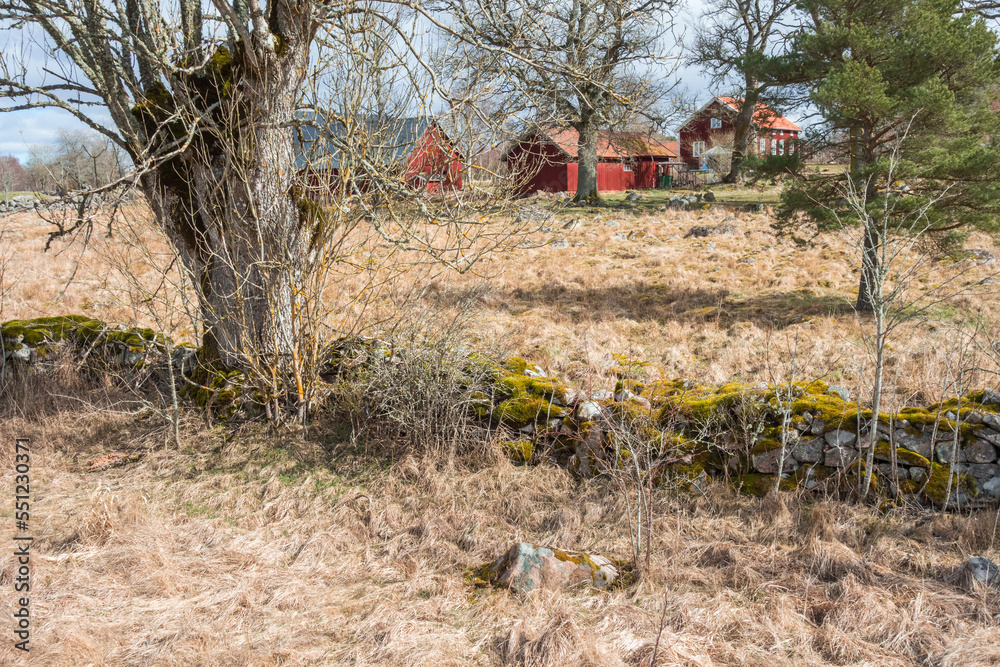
250, 547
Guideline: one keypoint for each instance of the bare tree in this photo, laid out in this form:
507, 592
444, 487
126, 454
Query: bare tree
207, 104
589, 65
732, 41
897, 270
12, 175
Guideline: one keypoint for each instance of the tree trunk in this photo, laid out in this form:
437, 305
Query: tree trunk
741, 136
230, 204
869, 286
880, 341
586, 179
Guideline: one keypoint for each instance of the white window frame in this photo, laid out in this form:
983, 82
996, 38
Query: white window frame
781, 146
627, 167
774, 146
715, 123
763, 146
697, 148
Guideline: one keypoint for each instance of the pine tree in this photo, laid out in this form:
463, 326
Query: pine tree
916, 79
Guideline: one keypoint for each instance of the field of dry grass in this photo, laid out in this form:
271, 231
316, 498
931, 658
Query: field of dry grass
251, 547
257, 549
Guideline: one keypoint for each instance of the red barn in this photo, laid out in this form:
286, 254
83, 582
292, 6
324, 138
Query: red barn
546, 159
714, 123
414, 150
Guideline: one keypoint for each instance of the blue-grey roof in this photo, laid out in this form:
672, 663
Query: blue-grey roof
380, 141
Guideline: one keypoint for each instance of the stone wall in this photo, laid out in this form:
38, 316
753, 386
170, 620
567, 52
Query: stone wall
685, 434
812, 434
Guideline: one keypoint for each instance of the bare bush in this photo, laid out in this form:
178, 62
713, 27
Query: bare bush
417, 388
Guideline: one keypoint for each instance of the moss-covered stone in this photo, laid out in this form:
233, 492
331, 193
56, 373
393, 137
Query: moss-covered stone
49, 329
831, 409
633, 386
815, 472
936, 489
698, 403
480, 404
757, 484
766, 445
518, 450
548, 388
520, 411
905, 457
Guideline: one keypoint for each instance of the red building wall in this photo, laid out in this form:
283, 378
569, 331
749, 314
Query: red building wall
540, 165
552, 173
699, 129
434, 164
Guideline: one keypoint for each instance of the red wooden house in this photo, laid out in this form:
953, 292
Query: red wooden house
413, 150
546, 159
713, 125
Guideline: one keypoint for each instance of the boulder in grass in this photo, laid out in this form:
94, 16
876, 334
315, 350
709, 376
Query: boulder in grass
708, 230
527, 567
977, 572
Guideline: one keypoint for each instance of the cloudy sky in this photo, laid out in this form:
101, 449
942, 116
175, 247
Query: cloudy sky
20, 131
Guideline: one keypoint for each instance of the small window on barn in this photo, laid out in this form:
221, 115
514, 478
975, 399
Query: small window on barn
763, 147
716, 123
627, 167
774, 147
697, 148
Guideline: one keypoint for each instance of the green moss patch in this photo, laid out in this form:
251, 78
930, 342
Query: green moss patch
757, 484
518, 450
906, 457
936, 489
50, 329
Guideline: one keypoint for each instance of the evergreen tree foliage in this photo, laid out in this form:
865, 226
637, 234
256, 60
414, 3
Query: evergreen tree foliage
913, 79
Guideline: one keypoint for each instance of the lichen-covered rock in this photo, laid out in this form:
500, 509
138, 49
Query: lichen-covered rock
588, 411
767, 457
809, 450
834, 390
914, 440
976, 573
979, 451
885, 469
982, 473
702, 231
839, 457
989, 397
526, 567
21, 353
839, 438
948, 453
527, 396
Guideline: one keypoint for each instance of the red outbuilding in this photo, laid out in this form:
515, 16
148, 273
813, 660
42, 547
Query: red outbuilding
414, 150
546, 160
714, 123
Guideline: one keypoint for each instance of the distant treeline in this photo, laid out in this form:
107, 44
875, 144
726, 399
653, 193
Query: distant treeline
78, 160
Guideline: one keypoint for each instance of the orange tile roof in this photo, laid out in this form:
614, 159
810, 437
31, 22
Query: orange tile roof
613, 145
764, 116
